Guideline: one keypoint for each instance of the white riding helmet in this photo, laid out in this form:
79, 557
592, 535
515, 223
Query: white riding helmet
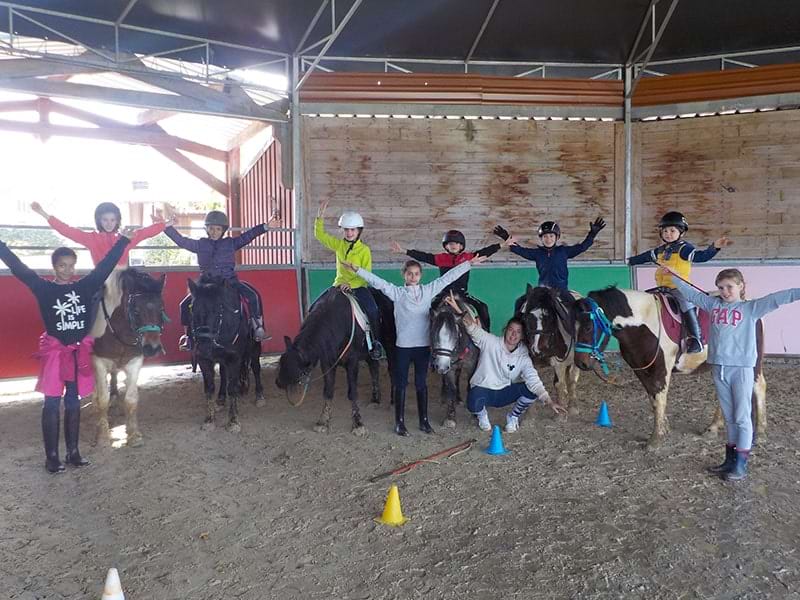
350, 219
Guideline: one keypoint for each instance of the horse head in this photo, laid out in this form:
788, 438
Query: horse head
217, 320
447, 334
540, 314
294, 373
144, 307
593, 331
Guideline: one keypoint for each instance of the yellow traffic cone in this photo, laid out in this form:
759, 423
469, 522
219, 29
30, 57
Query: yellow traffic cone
392, 513
113, 589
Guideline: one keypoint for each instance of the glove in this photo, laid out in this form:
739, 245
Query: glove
594, 228
500, 232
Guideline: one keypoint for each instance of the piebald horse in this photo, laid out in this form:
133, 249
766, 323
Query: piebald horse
635, 319
127, 328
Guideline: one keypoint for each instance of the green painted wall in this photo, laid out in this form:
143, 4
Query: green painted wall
498, 286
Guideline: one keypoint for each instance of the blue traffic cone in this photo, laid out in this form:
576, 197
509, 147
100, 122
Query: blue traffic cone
603, 420
496, 445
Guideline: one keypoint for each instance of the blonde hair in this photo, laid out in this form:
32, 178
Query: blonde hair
735, 275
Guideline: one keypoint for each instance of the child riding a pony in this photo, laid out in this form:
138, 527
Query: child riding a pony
678, 255
551, 259
454, 244
216, 257
67, 307
107, 219
352, 249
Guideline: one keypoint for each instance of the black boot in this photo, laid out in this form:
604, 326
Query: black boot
50, 430
422, 408
727, 465
400, 412
72, 425
694, 338
739, 470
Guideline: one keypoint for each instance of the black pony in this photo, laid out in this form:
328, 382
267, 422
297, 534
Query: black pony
452, 351
222, 335
331, 337
548, 318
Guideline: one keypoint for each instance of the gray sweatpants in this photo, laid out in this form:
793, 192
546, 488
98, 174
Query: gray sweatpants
735, 392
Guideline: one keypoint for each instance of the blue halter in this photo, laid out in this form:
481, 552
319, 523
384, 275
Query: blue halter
601, 333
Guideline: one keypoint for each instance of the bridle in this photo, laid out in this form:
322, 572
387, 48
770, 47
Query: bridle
455, 354
213, 333
560, 329
140, 330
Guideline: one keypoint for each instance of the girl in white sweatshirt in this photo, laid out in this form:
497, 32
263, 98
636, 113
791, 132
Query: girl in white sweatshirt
412, 305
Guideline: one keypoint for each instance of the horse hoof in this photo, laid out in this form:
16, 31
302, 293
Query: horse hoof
711, 432
208, 426
359, 431
135, 441
234, 427
573, 411
319, 428
219, 407
102, 441
260, 402
653, 444
449, 423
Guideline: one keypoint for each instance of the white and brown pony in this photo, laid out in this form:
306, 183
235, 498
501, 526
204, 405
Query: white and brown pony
549, 325
638, 321
127, 328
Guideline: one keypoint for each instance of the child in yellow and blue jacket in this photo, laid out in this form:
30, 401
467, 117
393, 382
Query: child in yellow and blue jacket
352, 249
678, 255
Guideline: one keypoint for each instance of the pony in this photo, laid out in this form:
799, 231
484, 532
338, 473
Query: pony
549, 325
635, 319
452, 351
330, 336
222, 335
127, 329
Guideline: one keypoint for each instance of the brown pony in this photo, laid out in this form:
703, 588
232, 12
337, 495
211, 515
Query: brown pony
634, 318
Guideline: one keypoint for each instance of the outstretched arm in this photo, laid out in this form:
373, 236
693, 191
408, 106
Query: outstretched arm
693, 295
181, 241
18, 268
770, 302
641, 259
103, 269
392, 291
249, 235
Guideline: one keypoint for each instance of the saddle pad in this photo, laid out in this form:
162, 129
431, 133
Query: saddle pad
361, 316
671, 319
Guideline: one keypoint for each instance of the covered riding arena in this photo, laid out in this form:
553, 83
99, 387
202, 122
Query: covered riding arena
424, 116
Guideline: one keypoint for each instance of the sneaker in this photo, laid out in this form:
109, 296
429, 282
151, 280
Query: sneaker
512, 423
184, 344
483, 421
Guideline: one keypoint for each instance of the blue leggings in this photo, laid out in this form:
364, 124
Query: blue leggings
421, 357
479, 397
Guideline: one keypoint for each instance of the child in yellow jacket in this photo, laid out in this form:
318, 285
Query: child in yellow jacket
352, 249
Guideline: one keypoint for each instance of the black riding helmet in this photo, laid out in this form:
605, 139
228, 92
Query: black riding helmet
454, 235
674, 219
105, 208
550, 227
217, 217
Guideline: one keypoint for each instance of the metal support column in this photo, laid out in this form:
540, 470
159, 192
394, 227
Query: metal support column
297, 184
628, 131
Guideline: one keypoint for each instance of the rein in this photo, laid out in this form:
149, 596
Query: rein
129, 314
601, 333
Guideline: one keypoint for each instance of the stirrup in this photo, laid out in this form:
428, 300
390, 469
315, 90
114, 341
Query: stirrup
185, 343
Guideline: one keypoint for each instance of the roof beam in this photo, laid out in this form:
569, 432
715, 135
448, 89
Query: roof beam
480, 33
191, 167
653, 46
35, 67
222, 106
329, 43
152, 115
311, 25
641, 31
115, 134
127, 10
245, 134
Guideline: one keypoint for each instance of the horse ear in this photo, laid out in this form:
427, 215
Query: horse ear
163, 280
529, 289
288, 341
192, 286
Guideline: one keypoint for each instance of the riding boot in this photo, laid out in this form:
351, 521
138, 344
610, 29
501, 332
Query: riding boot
727, 465
377, 352
259, 334
400, 412
694, 337
422, 409
739, 470
72, 425
50, 430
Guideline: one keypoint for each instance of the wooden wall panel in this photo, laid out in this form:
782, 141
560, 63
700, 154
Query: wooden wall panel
736, 175
415, 178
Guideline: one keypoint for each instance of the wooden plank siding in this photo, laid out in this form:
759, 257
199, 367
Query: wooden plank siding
413, 179
734, 174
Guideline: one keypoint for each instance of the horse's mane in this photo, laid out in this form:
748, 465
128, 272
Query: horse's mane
209, 285
140, 282
613, 301
322, 332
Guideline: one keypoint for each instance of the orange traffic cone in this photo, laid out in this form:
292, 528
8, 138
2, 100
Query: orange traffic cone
392, 513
